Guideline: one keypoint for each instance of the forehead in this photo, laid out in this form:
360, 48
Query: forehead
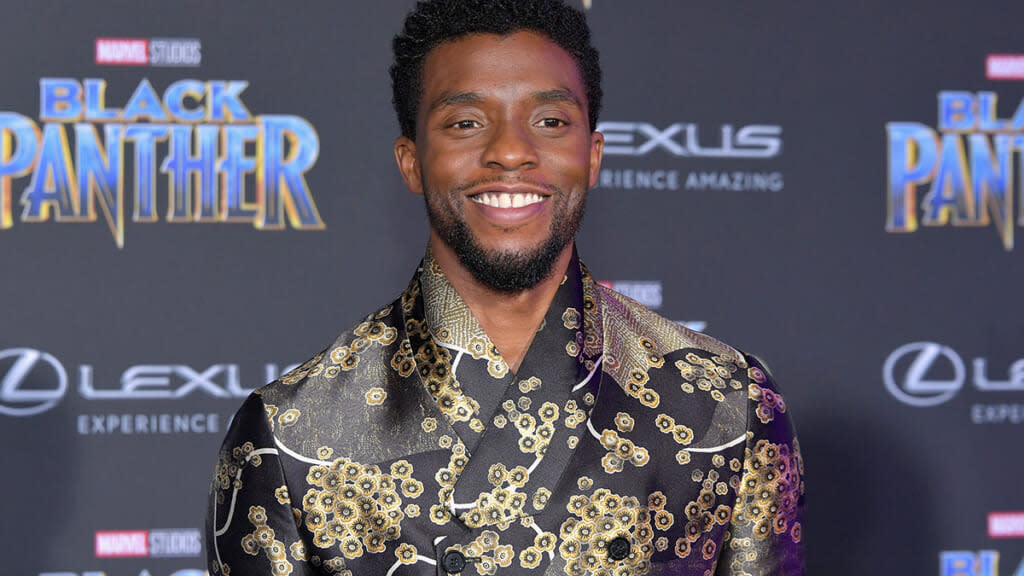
494, 66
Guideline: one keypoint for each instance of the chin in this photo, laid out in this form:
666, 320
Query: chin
513, 248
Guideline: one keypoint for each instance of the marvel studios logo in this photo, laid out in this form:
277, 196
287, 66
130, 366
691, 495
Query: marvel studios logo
165, 543
1004, 67
166, 52
1006, 525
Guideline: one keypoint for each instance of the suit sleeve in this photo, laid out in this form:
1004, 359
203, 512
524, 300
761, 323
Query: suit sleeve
766, 528
251, 528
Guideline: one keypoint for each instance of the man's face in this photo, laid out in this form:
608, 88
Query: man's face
504, 155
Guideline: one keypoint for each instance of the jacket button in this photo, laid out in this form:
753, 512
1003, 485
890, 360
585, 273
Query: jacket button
618, 549
453, 562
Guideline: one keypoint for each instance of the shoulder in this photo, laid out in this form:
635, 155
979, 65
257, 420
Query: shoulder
359, 360
636, 336
686, 375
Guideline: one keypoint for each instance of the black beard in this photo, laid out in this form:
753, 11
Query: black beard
506, 272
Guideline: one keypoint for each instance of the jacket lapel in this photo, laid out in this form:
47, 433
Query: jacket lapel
520, 431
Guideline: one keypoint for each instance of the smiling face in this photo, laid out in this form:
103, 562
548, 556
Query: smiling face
504, 155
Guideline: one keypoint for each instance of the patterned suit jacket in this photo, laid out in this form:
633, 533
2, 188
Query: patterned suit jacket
625, 445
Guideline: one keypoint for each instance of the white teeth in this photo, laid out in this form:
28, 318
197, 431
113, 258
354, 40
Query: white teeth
506, 199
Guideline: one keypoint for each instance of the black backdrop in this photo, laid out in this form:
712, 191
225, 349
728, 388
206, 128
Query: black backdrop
748, 193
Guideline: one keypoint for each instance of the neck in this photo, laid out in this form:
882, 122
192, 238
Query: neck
510, 320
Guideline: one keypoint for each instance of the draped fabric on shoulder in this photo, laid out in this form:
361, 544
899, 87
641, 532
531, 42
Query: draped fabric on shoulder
625, 445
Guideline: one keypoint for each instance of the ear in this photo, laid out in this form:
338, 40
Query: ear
596, 150
409, 164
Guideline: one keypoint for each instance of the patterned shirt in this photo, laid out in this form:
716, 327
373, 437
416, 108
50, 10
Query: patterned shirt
625, 445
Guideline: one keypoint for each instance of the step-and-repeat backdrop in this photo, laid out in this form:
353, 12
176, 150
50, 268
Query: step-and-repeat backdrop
195, 196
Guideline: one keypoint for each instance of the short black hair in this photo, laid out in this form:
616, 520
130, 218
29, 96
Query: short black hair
434, 22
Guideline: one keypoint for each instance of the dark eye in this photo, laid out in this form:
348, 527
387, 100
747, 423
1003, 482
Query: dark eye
466, 124
552, 123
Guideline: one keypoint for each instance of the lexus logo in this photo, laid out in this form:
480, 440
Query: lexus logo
34, 382
910, 383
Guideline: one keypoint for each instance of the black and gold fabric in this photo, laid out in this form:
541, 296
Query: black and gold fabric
624, 445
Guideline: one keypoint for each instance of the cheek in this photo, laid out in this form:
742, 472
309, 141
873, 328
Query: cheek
448, 162
573, 171
573, 157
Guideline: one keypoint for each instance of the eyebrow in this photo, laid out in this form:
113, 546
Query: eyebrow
557, 95
456, 98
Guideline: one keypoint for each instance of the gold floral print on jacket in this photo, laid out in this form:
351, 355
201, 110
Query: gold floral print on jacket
625, 445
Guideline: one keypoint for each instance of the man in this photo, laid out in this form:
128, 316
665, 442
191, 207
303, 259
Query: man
507, 415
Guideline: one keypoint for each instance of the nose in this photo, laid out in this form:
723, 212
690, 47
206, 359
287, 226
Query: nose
510, 147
